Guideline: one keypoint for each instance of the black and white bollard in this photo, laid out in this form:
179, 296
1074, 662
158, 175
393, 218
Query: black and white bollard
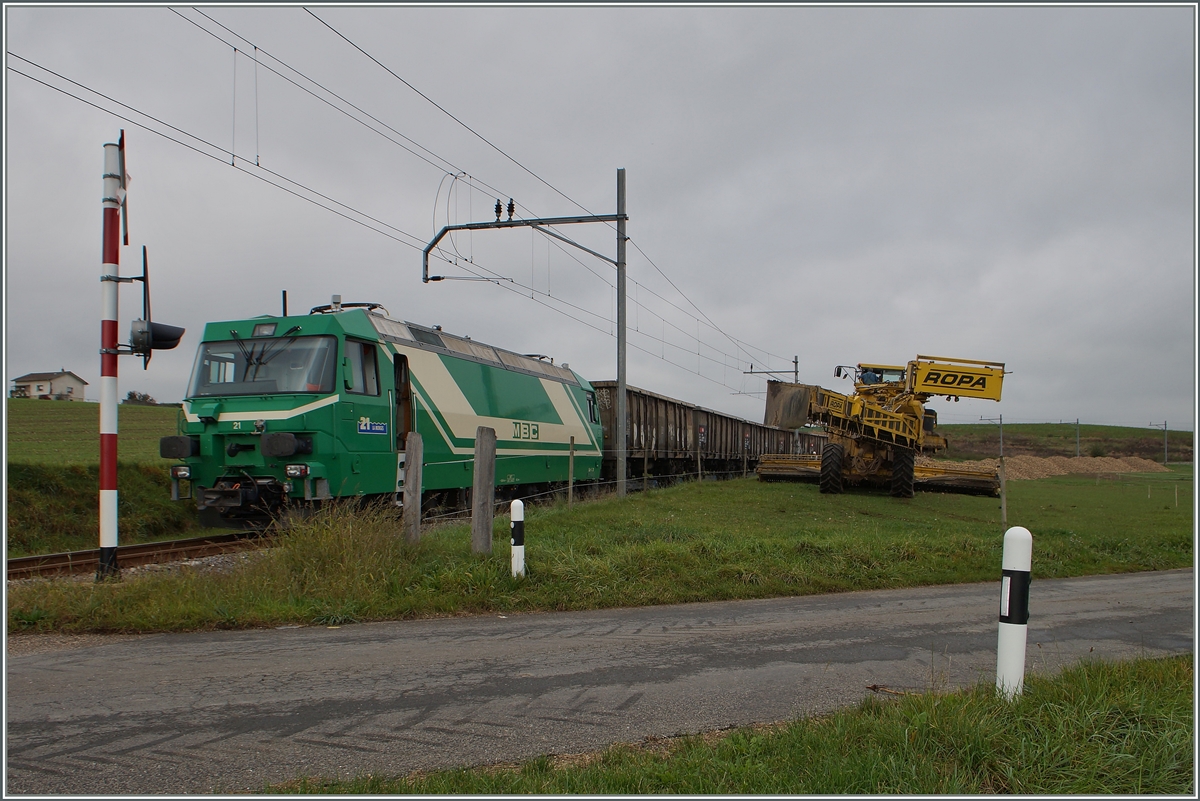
517, 515
1014, 611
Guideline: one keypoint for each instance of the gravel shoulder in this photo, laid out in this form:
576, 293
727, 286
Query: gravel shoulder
22, 644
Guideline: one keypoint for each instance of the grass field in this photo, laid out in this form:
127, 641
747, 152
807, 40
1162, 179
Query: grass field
695, 542
1058, 439
1096, 729
63, 433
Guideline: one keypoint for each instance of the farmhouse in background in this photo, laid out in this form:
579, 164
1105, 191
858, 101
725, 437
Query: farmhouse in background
63, 385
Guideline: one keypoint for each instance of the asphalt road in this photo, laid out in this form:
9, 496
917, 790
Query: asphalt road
232, 711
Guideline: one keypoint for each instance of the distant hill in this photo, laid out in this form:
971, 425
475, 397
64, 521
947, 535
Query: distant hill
982, 441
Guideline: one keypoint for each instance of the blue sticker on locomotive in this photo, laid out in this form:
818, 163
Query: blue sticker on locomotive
365, 426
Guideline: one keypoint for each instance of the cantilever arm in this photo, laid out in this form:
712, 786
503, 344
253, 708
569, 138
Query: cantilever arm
535, 223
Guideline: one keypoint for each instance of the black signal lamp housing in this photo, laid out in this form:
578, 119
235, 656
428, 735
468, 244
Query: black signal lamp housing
145, 336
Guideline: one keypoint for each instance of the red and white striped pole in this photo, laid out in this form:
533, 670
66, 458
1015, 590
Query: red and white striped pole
109, 283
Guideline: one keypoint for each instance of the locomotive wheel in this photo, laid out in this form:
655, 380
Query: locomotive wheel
831, 469
903, 462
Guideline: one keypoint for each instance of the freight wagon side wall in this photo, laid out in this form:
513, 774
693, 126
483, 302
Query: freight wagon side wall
664, 435
659, 428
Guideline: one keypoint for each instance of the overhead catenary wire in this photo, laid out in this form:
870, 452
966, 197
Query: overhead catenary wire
743, 346
519, 289
432, 102
502, 152
412, 241
416, 242
350, 213
233, 115
454, 182
715, 327
445, 166
219, 155
432, 159
256, 148
544, 181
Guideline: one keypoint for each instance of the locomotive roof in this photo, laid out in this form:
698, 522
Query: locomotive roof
408, 334
419, 336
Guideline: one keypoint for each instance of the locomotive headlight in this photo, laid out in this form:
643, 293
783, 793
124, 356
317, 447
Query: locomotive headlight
296, 470
181, 471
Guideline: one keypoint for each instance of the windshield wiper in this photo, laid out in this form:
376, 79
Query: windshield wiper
269, 350
247, 355
274, 348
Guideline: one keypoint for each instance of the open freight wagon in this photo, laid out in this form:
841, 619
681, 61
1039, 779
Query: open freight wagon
668, 440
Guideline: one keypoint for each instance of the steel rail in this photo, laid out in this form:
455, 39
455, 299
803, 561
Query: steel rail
74, 562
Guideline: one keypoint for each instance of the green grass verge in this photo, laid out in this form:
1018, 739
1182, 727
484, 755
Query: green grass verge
1058, 439
53, 451
55, 509
1095, 729
697, 542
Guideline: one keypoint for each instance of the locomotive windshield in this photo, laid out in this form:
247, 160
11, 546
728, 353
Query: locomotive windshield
265, 366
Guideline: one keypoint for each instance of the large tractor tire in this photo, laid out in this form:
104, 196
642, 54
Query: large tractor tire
903, 462
831, 469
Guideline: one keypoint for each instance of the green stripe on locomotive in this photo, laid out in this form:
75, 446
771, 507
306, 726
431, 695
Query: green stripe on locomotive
245, 387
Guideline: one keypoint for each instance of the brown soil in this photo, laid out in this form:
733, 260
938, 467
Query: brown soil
1017, 468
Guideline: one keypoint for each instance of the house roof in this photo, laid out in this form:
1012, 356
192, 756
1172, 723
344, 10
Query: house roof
30, 377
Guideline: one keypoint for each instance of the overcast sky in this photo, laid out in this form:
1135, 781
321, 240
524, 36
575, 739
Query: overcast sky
837, 184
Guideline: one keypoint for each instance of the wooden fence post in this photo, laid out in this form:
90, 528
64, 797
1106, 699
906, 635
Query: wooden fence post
571, 477
483, 490
414, 456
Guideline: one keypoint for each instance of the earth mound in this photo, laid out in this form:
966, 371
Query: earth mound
1018, 468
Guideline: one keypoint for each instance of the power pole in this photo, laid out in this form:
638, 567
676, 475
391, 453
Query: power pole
1076, 437
622, 423
1003, 483
1164, 428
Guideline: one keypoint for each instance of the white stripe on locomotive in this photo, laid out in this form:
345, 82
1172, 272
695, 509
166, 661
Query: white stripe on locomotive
445, 395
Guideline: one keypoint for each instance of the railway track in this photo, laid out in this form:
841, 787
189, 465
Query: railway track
75, 562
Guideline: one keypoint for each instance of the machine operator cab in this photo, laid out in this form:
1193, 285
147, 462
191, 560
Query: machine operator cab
868, 375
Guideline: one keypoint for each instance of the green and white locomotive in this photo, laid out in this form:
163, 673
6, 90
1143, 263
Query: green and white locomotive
303, 409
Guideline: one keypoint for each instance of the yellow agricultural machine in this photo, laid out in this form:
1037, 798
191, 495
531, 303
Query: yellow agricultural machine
876, 434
